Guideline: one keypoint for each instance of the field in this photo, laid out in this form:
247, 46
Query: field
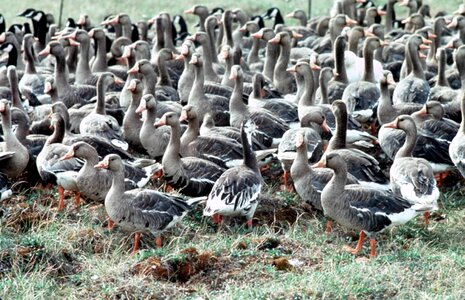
46, 254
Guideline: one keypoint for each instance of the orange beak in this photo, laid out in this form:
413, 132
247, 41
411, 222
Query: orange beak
257, 35
320, 164
68, 155
142, 106
134, 70
189, 11
292, 69
160, 122
45, 52
183, 116
392, 124
101, 165
275, 40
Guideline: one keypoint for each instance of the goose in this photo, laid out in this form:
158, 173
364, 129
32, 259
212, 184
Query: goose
141, 210
414, 87
260, 141
32, 82
191, 175
237, 190
412, 178
386, 111
215, 104
97, 122
360, 97
211, 70
360, 164
309, 182
239, 111
365, 209
223, 151
12, 46
442, 91
272, 52
283, 81
339, 81
312, 130
53, 170
14, 156
132, 123
95, 184
40, 26
275, 14
457, 146
164, 83
153, 139
280, 107
68, 94
202, 12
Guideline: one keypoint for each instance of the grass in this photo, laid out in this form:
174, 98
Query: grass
47, 255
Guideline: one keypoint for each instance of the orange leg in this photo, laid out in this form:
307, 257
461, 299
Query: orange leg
329, 226
168, 189
158, 174
372, 248
61, 200
249, 223
373, 129
158, 242
217, 219
359, 244
136, 243
426, 216
111, 224
77, 199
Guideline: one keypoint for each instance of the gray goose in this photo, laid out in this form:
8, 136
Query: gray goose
202, 12
207, 103
272, 53
361, 96
95, 184
414, 87
309, 182
153, 139
14, 156
52, 169
359, 208
149, 79
282, 80
267, 123
98, 122
32, 82
211, 70
132, 123
360, 164
69, 95
223, 151
141, 210
412, 177
386, 111
193, 176
312, 130
457, 146
236, 192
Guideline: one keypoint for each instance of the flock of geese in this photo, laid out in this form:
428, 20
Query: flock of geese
101, 111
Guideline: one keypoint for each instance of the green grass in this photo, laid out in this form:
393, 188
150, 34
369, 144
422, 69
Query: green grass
45, 254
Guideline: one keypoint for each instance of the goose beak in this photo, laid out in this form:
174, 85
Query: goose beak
194, 60
2, 37
290, 15
142, 106
91, 33
190, 38
392, 124
101, 165
426, 41
118, 80
424, 47
233, 75
45, 52
452, 24
368, 33
2, 107
179, 57
431, 36
126, 52
257, 35
292, 69
350, 21
82, 20
189, 11
183, 116
423, 111
159, 123
324, 126
73, 42
381, 12
47, 87
421, 55
361, 1
132, 86
315, 67
262, 93
275, 40
134, 70
68, 155
243, 28
320, 164
296, 35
